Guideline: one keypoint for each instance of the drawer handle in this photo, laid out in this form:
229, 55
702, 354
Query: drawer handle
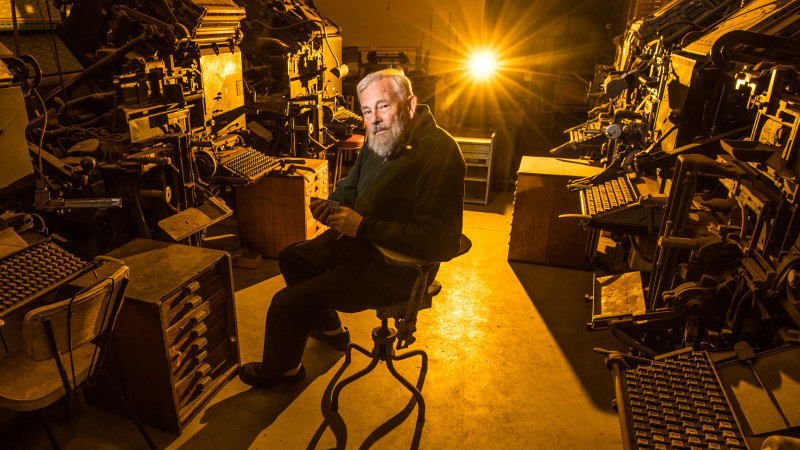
193, 302
203, 370
198, 344
198, 317
192, 287
200, 357
203, 383
198, 331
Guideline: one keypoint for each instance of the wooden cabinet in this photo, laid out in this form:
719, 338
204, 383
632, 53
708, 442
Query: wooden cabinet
273, 212
175, 342
477, 146
538, 235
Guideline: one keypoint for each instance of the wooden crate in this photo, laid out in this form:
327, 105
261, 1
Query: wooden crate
175, 342
537, 234
273, 212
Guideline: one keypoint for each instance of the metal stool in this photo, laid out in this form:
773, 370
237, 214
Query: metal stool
405, 315
351, 144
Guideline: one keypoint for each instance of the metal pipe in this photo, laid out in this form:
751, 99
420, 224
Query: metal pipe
678, 242
719, 58
623, 410
15, 26
99, 65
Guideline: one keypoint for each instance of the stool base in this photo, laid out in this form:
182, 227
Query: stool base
384, 338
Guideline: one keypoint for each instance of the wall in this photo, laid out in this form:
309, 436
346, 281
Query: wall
552, 44
441, 26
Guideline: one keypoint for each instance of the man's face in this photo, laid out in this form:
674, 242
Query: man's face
385, 116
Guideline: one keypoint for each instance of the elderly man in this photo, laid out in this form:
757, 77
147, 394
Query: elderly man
405, 192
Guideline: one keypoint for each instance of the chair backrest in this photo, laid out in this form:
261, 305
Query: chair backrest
76, 320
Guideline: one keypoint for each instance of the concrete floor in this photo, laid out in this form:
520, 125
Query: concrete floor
511, 367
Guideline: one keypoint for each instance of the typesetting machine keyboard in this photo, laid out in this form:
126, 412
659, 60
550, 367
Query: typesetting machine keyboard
608, 196
250, 164
33, 271
678, 403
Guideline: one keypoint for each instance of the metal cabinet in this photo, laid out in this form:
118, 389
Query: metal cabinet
477, 146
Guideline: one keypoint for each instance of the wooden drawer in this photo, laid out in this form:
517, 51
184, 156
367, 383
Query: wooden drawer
476, 154
202, 376
191, 296
202, 388
179, 330
175, 342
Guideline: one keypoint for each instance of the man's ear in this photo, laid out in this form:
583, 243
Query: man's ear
412, 104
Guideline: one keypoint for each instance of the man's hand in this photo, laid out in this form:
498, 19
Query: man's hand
344, 220
320, 210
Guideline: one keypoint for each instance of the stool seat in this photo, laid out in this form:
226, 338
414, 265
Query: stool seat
400, 259
351, 144
355, 141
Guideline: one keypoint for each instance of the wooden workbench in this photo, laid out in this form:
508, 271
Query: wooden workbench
537, 234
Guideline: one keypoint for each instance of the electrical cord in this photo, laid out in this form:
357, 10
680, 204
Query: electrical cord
648, 260
55, 46
325, 36
3, 340
321, 23
41, 138
69, 323
287, 27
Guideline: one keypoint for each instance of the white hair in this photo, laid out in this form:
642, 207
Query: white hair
400, 82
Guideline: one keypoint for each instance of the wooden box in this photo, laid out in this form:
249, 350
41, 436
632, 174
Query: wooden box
175, 342
537, 234
273, 212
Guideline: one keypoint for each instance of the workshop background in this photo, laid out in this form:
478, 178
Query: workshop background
631, 202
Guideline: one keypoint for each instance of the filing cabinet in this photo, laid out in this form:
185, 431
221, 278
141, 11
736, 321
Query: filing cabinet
477, 146
175, 342
273, 212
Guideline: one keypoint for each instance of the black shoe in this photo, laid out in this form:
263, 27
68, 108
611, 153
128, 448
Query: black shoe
249, 374
339, 341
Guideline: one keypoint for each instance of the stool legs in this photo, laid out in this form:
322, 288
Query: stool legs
415, 390
339, 386
337, 167
384, 338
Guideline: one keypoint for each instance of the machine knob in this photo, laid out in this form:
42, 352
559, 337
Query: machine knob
613, 131
88, 164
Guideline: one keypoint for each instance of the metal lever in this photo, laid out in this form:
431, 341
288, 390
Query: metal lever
745, 353
405, 332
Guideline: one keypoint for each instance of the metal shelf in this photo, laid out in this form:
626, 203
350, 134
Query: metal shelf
477, 146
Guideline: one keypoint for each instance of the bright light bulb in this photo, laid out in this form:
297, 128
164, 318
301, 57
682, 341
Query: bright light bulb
482, 65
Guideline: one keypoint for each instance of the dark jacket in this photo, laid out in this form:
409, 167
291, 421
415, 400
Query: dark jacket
411, 202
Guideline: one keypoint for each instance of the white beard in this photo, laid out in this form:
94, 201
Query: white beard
387, 143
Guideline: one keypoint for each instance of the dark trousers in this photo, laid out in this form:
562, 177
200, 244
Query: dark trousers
323, 277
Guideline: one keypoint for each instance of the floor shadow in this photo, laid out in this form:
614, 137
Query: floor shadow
498, 203
241, 418
558, 295
244, 278
225, 236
